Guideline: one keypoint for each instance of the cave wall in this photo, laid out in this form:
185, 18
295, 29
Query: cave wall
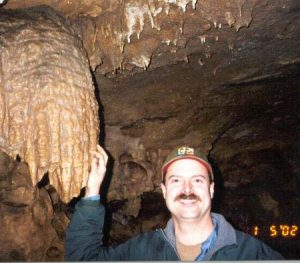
223, 76
249, 130
32, 225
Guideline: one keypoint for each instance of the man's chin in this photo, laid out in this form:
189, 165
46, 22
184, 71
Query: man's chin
189, 217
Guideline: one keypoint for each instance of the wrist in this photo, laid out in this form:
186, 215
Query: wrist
89, 193
93, 198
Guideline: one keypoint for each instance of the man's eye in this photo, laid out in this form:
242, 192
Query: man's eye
198, 180
175, 180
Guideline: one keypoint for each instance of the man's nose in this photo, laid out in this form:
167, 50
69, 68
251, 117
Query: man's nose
187, 188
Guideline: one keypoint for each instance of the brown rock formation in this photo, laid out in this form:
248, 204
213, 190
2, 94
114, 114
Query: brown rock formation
124, 34
29, 226
48, 108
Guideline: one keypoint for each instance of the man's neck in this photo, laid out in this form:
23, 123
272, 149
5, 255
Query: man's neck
191, 232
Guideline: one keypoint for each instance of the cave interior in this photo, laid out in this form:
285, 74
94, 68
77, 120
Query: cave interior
220, 75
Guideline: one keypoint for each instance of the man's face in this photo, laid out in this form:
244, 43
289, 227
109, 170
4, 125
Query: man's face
187, 190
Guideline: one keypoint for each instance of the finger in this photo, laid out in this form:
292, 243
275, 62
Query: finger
98, 155
100, 160
104, 155
94, 153
94, 165
102, 151
94, 162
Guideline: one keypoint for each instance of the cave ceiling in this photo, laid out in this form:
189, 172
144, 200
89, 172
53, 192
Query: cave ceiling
121, 35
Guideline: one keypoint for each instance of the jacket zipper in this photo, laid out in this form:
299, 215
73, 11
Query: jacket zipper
164, 235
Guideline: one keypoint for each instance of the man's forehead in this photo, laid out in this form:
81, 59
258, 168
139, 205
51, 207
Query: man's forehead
186, 176
172, 175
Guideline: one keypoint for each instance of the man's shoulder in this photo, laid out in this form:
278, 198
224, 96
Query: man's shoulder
243, 237
249, 243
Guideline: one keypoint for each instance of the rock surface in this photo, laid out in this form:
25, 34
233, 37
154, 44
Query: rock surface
30, 228
222, 75
139, 34
48, 110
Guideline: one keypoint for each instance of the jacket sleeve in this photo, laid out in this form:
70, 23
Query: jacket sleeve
251, 248
84, 233
267, 253
84, 238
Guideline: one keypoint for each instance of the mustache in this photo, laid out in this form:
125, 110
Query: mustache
184, 196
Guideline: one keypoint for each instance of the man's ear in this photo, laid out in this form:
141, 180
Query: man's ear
163, 188
212, 190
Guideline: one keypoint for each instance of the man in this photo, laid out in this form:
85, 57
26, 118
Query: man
192, 233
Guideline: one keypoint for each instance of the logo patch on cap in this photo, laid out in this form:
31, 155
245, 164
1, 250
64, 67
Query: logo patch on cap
185, 151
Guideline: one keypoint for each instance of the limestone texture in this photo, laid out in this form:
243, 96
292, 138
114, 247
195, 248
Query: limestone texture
48, 109
129, 34
29, 225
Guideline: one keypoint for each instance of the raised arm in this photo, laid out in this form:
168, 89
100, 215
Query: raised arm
98, 169
84, 233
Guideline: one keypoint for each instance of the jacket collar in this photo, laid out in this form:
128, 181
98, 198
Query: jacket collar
225, 234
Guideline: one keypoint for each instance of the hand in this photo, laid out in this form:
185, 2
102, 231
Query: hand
98, 169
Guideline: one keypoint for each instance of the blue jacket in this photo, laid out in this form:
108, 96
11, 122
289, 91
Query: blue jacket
84, 241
